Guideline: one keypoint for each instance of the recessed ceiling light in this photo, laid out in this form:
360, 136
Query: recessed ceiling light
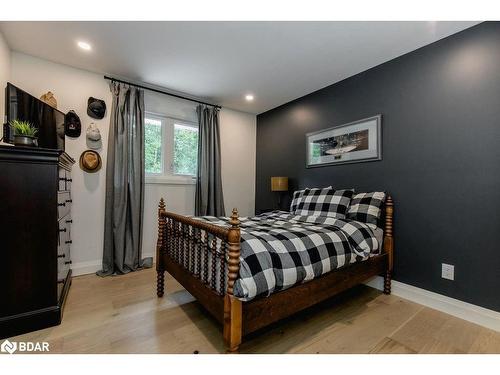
249, 97
85, 46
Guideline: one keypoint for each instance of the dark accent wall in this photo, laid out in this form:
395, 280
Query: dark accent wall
441, 157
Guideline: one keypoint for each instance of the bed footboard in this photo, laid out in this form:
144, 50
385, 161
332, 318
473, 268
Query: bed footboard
205, 259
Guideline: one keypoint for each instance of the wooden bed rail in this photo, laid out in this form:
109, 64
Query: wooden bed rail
216, 230
209, 256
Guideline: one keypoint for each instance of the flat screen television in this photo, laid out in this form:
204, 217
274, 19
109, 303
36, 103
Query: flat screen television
49, 121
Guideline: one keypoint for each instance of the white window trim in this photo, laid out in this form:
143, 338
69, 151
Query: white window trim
170, 180
167, 177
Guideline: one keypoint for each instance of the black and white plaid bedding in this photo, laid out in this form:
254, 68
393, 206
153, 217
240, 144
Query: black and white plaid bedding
297, 195
367, 207
324, 202
279, 250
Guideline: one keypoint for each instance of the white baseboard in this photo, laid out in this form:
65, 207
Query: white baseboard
376, 282
463, 310
86, 268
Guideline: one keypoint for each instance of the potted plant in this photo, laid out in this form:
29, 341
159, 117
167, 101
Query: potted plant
24, 133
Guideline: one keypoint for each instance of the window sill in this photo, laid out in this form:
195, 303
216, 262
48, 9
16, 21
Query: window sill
170, 180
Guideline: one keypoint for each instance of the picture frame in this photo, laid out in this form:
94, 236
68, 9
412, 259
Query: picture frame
354, 142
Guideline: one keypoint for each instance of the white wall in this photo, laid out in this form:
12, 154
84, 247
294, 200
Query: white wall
72, 87
238, 140
4, 76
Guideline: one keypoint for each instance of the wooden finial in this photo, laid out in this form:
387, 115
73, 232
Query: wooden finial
234, 221
161, 206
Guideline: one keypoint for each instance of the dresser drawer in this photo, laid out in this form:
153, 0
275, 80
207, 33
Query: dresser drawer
63, 263
65, 226
64, 229
62, 179
63, 267
64, 247
69, 180
65, 179
63, 204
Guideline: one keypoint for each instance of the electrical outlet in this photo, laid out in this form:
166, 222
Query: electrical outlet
447, 271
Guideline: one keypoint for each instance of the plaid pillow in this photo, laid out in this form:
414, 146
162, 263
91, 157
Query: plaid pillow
324, 202
366, 207
297, 197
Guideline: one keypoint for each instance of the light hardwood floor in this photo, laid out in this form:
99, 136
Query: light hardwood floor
122, 315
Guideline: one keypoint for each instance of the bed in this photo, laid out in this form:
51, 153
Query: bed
251, 272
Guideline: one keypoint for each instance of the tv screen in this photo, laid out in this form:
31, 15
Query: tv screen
49, 121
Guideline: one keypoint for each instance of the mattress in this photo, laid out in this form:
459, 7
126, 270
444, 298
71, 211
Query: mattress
280, 250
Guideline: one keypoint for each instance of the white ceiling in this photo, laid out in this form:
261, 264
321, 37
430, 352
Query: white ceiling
222, 61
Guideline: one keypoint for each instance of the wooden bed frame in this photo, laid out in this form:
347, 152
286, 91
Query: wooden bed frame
190, 250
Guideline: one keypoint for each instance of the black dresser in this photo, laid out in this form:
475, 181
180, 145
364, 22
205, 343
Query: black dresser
35, 238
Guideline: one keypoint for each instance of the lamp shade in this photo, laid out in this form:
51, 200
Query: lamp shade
279, 183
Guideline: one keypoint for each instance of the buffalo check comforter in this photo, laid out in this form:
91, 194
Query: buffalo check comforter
279, 250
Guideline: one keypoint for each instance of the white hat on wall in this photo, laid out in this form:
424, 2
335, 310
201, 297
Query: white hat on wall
94, 141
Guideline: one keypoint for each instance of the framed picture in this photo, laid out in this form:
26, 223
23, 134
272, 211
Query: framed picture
354, 142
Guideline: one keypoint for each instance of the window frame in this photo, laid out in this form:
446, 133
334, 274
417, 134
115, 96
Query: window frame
162, 131
167, 176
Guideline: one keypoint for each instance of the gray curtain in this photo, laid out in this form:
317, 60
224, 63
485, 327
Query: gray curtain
209, 198
124, 183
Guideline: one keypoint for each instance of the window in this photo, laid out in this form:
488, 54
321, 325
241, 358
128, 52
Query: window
171, 149
185, 149
153, 145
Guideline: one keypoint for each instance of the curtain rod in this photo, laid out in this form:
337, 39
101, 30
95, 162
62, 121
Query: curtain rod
160, 91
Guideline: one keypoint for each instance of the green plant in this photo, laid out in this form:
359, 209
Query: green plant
23, 128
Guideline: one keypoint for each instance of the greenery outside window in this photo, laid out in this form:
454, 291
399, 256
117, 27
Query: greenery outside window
171, 150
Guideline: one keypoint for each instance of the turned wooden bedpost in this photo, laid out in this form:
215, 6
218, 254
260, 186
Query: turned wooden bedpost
160, 248
388, 242
232, 305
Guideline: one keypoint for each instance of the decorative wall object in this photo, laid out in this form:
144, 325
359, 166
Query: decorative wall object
93, 135
90, 161
49, 98
96, 108
354, 142
72, 124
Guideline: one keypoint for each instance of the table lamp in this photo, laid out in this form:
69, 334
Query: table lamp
279, 184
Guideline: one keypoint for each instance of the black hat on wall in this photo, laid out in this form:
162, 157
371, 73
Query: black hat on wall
72, 124
96, 108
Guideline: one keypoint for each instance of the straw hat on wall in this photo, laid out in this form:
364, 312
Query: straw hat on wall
90, 161
49, 99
